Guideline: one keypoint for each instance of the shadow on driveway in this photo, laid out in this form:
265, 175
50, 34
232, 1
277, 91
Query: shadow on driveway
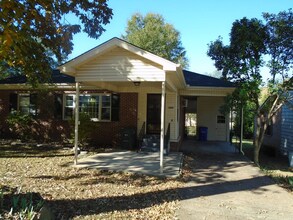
223, 184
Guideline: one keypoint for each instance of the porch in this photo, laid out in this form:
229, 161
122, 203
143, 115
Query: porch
135, 162
209, 148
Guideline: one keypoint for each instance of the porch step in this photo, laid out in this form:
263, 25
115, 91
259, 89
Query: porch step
151, 143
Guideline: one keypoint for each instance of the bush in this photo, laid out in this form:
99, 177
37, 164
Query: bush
20, 125
86, 129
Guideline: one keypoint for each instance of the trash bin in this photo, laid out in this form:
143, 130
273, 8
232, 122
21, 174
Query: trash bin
203, 133
128, 138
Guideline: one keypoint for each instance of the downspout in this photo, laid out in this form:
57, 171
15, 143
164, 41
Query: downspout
162, 134
76, 122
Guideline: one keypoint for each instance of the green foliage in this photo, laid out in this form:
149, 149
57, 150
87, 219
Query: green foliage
248, 121
86, 128
280, 44
20, 124
21, 205
153, 34
35, 33
241, 60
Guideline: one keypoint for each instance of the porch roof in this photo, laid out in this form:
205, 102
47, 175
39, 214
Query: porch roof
56, 77
199, 80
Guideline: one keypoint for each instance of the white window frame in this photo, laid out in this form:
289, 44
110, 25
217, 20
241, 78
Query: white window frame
64, 106
99, 110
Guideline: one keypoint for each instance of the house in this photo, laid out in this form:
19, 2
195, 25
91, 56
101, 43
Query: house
279, 134
121, 86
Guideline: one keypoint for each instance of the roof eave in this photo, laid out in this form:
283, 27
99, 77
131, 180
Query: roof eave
209, 87
69, 67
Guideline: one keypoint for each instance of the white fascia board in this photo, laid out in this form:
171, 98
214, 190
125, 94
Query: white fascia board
70, 65
67, 70
28, 87
77, 61
181, 76
171, 85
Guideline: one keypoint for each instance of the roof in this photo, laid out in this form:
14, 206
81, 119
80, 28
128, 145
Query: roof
199, 80
56, 77
69, 66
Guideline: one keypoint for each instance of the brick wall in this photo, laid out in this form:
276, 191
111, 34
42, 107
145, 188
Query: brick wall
4, 109
108, 133
47, 128
43, 128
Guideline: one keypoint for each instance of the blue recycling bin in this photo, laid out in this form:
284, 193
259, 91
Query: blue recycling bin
202, 133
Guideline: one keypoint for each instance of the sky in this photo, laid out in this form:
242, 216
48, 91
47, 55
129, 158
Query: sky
199, 23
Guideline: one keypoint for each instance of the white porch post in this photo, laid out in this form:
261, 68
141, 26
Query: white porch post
76, 122
162, 126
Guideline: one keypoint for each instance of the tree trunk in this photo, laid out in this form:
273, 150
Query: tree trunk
256, 140
261, 126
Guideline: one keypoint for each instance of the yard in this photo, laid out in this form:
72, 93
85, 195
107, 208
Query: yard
44, 175
83, 193
273, 166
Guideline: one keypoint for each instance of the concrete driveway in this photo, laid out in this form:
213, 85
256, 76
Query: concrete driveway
226, 185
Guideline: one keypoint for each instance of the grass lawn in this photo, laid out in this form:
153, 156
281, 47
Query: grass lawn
276, 167
73, 193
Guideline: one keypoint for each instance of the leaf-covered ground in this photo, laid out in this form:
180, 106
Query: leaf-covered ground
275, 166
73, 193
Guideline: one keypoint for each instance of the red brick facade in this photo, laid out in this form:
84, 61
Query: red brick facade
108, 132
47, 128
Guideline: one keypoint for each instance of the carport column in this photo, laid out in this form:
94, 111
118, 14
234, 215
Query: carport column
162, 126
76, 122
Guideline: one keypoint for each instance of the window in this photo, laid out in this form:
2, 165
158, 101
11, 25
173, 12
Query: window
221, 119
97, 106
24, 103
69, 106
89, 104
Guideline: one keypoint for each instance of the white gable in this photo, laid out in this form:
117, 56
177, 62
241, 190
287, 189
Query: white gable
119, 64
107, 47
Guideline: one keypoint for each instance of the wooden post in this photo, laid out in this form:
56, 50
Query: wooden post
162, 135
76, 122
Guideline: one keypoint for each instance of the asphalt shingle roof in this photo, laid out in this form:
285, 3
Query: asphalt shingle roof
56, 77
191, 79
199, 80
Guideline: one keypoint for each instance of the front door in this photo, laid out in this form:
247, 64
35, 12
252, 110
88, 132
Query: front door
153, 114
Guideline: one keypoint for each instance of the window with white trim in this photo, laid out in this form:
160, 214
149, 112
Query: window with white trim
69, 104
97, 106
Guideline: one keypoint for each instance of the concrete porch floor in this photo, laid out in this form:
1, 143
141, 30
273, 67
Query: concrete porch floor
135, 162
207, 147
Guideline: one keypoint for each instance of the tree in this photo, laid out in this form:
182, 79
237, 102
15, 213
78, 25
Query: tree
241, 60
152, 33
35, 34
